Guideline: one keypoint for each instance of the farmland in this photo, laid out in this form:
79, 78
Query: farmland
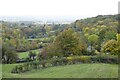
68, 71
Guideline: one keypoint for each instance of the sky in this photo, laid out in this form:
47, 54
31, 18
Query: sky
56, 9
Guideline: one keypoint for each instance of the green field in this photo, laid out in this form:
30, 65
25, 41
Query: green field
0, 71
41, 39
68, 71
25, 54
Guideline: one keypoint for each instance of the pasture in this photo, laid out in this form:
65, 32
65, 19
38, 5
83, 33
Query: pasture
68, 71
26, 54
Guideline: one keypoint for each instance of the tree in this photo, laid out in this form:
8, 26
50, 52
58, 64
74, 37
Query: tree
8, 54
34, 44
50, 50
110, 47
110, 35
48, 29
92, 39
118, 27
68, 41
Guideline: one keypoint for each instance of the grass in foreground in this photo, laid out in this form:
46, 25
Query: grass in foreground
0, 70
68, 71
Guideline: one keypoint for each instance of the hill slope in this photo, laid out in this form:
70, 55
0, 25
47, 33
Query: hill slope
69, 71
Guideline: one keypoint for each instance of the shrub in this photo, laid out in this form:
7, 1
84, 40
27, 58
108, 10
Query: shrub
70, 60
43, 63
85, 59
54, 61
77, 59
64, 61
105, 59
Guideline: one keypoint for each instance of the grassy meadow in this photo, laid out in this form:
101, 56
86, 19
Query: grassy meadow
26, 54
0, 71
68, 71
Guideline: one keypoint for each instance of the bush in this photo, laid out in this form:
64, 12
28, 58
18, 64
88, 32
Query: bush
43, 63
78, 59
85, 59
64, 61
105, 59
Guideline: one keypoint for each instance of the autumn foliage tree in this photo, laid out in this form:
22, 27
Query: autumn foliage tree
118, 42
50, 50
111, 47
70, 43
66, 43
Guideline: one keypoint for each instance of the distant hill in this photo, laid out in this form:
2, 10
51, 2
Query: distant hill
107, 20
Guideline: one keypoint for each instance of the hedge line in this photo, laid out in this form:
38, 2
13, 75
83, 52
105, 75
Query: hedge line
64, 61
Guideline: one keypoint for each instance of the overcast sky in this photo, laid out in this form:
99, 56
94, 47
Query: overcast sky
59, 9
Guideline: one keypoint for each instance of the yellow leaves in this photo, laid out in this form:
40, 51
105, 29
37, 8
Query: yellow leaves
118, 38
86, 29
80, 58
110, 46
109, 43
69, 42
93, 29
96, 52
86, 35
118, 42
103, 26
69, 58
84, 58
